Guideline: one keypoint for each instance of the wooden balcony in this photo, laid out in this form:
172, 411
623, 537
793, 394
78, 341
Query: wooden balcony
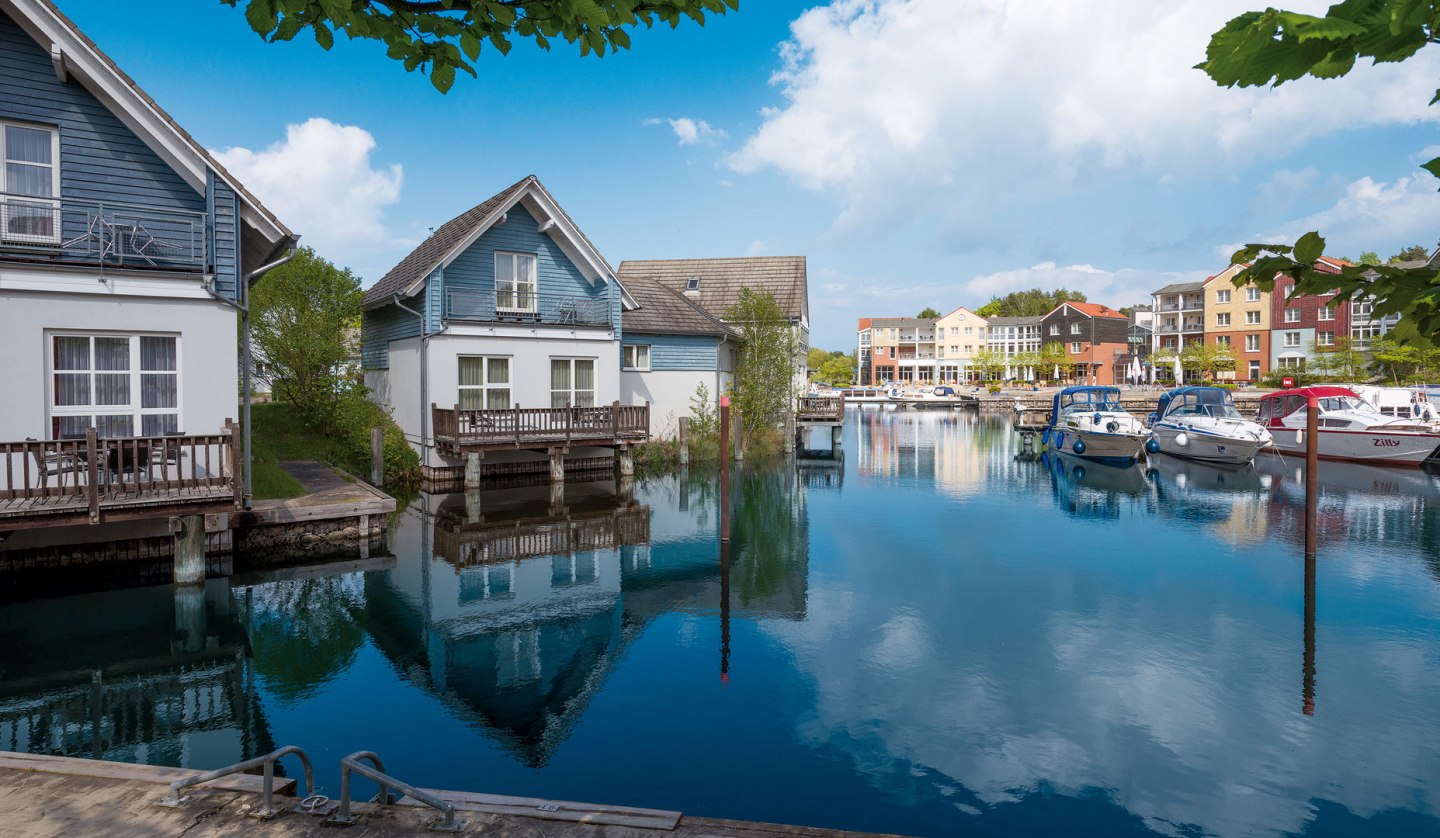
56, 483
461, 431
513, 539
820, 410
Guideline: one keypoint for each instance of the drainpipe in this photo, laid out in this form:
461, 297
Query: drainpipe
424, 375
246, 360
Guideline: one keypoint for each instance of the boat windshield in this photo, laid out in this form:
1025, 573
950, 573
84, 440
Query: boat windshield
1350, 403
1216, 404
1097, 399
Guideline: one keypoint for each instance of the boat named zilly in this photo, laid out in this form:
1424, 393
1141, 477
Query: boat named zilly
1350, 428
1089, 422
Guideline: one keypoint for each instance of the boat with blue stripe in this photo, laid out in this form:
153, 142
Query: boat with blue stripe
1202, 423
1088, 422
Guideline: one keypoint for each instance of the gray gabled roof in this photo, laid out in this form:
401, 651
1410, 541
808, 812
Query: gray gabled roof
1014, 321
1182, 288
721, 280
424, 259
662, 311
900, 322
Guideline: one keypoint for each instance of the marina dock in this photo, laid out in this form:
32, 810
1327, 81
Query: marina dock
44, 796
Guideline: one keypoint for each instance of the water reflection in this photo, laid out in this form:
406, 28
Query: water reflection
951, 637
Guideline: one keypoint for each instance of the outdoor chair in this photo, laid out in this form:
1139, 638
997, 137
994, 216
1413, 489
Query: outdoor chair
51, 461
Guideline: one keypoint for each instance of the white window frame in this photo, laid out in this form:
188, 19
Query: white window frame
53, 201
572, 394
1074, 328
1364, 308
1222, 319
523, 291
1292, 340
133, 408
630, 357
1292, 315
1252, 343
1252, 294
1054, 329
1222, 296
1291, 363
1075, 348
486, 386
1252, 318
1327, 311
1254, 370
1222, 341
1324, 338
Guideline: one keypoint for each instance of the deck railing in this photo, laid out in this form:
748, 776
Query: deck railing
45, 477
100, 233
819, 408
478, 306
525, 427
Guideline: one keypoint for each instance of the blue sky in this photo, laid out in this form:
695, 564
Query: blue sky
918, 152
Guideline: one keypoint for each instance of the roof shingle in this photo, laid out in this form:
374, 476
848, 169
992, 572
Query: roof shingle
664, 312
721, 280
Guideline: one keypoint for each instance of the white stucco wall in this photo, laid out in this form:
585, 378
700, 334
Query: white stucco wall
209, 387
670, 394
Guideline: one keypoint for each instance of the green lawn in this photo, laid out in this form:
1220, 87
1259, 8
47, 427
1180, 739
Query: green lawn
277, 435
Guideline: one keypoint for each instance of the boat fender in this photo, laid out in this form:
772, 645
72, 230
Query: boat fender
1078, 447
1096, 419
1182, 439
1299, 437
1045, 437
1112, 426
1152, 445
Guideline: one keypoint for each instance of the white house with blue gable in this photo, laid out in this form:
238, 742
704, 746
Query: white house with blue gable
124, 252
671, 348
496, 342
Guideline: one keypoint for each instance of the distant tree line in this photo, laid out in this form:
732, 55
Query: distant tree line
1032, 303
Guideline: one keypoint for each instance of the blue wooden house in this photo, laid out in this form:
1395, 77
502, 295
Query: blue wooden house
124, 255
496, 343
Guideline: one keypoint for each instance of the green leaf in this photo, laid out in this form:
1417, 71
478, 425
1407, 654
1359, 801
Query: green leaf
1433, 167
470, 45
1309, 248
442, 76
323, 36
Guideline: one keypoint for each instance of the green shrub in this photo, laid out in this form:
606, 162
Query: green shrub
994, 388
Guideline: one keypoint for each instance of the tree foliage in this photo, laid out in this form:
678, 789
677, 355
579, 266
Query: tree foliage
765, 373
301, 316
1207, 358
1032, 303
440, 37
1413, 253
1276, 46
929, 314
834, 368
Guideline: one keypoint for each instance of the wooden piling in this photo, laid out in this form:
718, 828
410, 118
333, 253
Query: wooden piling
1312, 473
724, 469
684, 440
377, 456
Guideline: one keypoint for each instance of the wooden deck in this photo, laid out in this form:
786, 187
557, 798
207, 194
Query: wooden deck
57, 483
820, 410
462, 431
464, 544
58, 796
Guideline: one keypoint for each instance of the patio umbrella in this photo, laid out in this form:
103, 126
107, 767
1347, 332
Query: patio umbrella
1057, 372
1135, 371
1179, 373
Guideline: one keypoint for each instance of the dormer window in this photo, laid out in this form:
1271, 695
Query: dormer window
692, 284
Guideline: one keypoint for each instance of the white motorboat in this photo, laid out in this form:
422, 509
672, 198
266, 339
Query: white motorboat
1089, 422
1349, 427
1201, 423
1399, 402
934, 397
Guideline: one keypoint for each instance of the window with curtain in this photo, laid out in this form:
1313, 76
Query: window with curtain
484, 383
120, 385
636, 357
515, 282
572, 382
31, 171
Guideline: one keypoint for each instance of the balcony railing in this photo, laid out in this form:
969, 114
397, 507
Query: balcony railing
94, 479
464, 304
100, 233
1192, 326
461, 430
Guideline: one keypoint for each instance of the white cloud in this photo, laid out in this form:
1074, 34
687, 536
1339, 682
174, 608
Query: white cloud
1369, 215
696, 131
1120, 287
884, 108
320, 181
757, 248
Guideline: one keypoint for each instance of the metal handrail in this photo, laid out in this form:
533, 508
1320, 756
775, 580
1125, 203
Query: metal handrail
267, 810
109, 233
342, 816
525, 306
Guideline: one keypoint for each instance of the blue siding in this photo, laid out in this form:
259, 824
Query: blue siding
669, 353
432, 301
223, 208
380, 326
555, 273
100, 158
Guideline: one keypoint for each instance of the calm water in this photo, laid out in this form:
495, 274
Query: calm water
940, 636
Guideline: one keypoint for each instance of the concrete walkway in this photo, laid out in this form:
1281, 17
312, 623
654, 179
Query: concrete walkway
60, 796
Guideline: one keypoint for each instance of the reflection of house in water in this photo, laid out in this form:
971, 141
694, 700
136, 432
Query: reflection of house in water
151, 675
522, 603
964, 453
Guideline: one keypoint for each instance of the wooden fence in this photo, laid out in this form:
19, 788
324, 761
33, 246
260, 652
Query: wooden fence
820, 409
460, 429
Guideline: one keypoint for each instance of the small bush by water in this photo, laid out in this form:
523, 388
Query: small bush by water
282, 433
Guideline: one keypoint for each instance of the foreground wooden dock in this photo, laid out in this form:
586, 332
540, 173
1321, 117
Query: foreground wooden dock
60, 796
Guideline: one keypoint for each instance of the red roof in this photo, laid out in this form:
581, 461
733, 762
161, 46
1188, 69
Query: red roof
1095, 310
1319, 392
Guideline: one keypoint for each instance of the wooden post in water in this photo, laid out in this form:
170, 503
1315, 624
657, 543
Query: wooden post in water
377, 455
724, 469
1312, 473
1307, 687
684, 440
739, 436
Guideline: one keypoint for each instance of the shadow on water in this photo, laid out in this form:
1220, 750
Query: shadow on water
939, 633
